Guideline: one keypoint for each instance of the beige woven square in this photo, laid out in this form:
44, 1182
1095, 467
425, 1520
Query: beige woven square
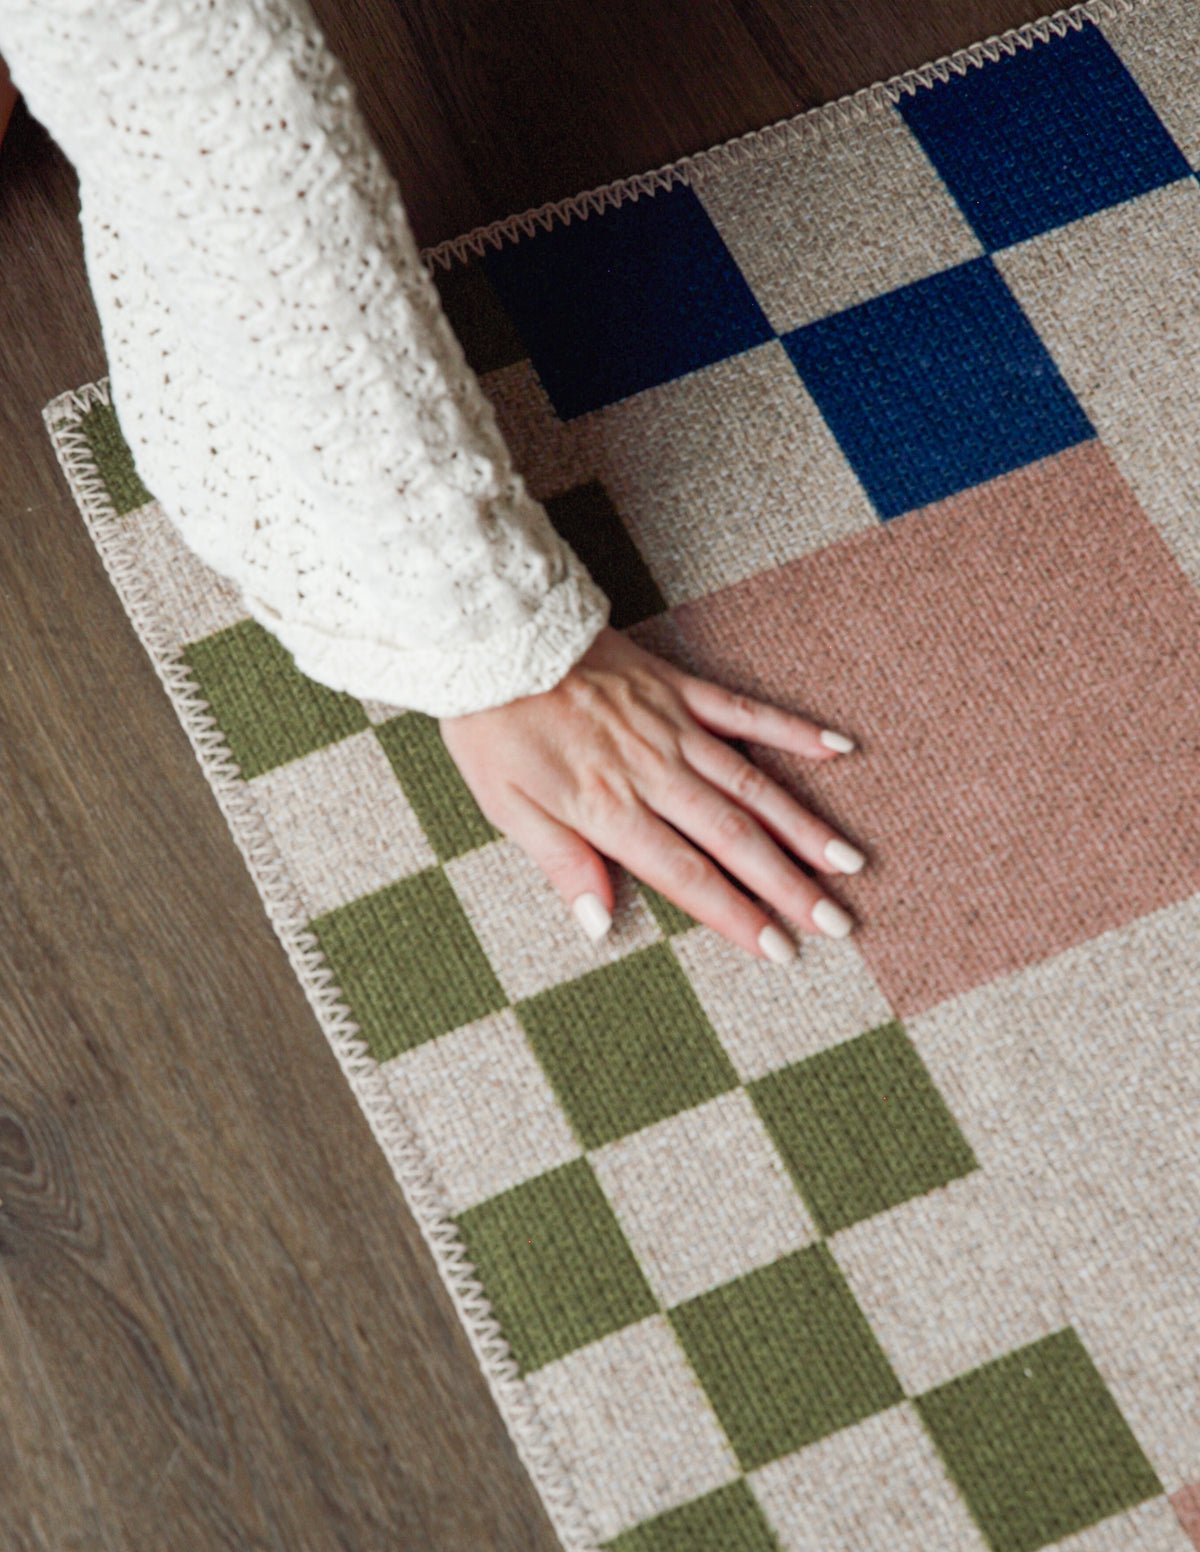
703, 1197
878, 1485
820, 227
632, 1426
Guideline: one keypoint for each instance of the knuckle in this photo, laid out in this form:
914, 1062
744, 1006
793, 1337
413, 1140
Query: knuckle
603, 799
657, 693
652, 762
679, 786
743, 708
585, 695
732, 824
688, 869
748, 784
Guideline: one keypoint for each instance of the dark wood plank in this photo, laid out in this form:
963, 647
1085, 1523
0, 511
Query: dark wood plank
48, 1503
219, 1328
487, 107
237, 1329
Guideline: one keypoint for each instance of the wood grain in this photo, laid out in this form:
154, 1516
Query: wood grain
219, 1328
487, 107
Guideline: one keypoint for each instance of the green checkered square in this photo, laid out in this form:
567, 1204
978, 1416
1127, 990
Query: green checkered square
407, 963
1037, 1444
269, 712
861, 1127
114, 461
626, 1045
728, 1520
478, 317
785, 1355
670, 917
445, 808
587, 519
554, 1263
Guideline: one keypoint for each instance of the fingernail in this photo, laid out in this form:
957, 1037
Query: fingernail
843, 857
837, 741
592, 916
775, 945
831, 919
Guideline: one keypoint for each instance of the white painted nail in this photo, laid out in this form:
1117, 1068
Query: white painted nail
843, 857
831, 919
590, 913
775, 945
837, 741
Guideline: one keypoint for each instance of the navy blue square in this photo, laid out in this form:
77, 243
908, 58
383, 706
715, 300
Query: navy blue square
937, 387
634, 296
1043, 136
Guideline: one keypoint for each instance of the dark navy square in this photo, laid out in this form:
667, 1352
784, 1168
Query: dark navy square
937, 387
1043, 136
634, 296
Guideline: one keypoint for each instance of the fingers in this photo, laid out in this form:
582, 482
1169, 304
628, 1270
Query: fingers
734, 837
778, 812
654, 852
636, 768
575, 869
741, 716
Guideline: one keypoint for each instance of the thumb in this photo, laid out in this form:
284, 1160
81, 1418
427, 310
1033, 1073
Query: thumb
575, 868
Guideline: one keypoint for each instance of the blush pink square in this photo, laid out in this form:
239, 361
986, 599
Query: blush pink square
1020, 665
1186, 1504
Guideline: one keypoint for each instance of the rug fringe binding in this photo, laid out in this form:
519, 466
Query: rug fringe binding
831, 117
392, 1130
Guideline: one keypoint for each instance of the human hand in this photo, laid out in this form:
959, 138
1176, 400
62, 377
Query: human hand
585, 767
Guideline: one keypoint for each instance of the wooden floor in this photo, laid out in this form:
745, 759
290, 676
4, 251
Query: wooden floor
219, 1328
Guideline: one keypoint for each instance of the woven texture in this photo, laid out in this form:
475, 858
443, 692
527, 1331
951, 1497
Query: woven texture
890, 415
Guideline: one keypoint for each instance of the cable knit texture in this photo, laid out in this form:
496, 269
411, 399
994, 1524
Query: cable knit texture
280, 362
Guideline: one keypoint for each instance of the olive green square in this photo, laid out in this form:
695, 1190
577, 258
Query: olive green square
861, 1127
785, 1355
114, 461
626, 1045
554, 1263
728, 1520
671, 918
1037, 1445
269, 712
587, 519
407, 963
485, 330
446, 810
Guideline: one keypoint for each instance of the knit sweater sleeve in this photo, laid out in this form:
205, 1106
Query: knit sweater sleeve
280, 363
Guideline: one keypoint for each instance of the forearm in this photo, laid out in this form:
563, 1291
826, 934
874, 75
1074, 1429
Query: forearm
245, 240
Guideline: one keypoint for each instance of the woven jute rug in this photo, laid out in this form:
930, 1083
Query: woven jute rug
889, 414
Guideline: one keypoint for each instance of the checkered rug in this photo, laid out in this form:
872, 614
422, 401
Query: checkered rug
890, 414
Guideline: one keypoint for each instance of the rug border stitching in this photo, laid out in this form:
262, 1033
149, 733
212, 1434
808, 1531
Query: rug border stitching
843, 114
394, 1133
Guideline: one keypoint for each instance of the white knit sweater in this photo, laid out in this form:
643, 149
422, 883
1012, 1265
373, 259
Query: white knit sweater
280, 363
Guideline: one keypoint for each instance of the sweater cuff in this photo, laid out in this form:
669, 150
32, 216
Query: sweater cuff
451, 683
